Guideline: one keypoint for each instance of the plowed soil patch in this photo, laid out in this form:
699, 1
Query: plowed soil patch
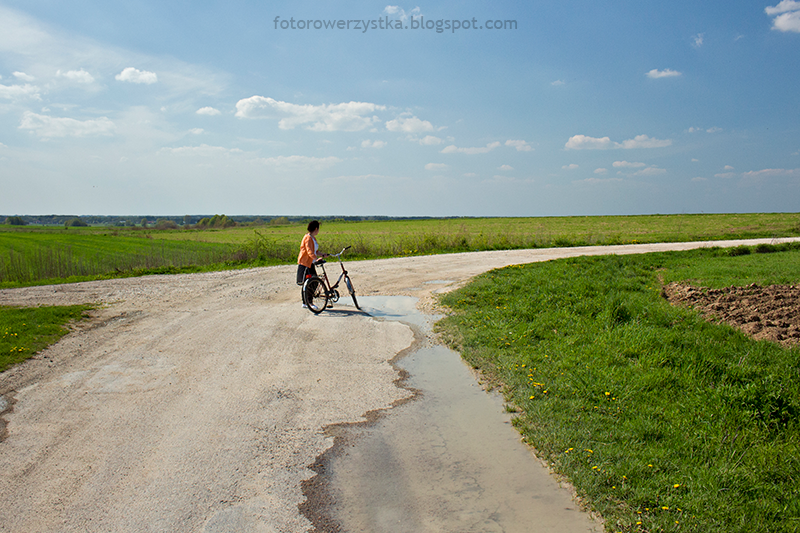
764, 313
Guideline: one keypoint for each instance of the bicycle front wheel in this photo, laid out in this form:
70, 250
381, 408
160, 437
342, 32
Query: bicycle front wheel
352, 291
314, 295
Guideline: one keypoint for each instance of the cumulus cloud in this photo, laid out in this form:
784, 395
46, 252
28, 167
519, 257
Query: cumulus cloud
46, 126
786, 16
134, 75
400, 13
372, 144
666, 73
78, 76
18, 92
557, 83
626, 164
197, 131
430, 140
697, 40
409, 125
505, 167
349, 116
22, 76
436, 166
521, 146
210, 111
598, 181
643, 141
453, 149
584, 142
600, 170
571, 166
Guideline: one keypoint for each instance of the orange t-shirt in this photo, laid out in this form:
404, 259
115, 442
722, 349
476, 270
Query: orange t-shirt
308, 251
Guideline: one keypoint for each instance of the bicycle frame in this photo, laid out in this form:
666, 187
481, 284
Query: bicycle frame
331, 289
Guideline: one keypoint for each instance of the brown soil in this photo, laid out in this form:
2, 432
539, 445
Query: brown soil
764, 313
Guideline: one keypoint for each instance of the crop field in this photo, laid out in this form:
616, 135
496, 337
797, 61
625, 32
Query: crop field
35, 255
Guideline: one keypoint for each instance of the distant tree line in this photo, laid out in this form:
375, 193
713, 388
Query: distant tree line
185, 221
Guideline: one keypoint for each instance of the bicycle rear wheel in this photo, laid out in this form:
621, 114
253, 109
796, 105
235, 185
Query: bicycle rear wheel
352, 291
314, 295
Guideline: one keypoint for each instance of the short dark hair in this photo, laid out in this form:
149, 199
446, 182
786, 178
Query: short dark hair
314, 224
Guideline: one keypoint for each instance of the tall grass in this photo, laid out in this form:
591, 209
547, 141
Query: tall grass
661, 420
39, 254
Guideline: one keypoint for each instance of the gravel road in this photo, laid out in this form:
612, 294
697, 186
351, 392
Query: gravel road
197, 402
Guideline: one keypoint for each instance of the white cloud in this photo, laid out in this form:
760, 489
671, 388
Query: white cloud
22, 76
666, 73
436, 166
584, 142
400, 13
78, 76
571, 166
300, 162
643, 141
557, 83
783, 7
772, 172
409, 125
134, 75
728, 167
650, 171
46, 126
505, 167
697, 40
521, 146
714, 129
372, 144
600, 170
430, 140
725, 175
626, 164
788, 16
210, 111
452, 149
16, 92
350, 116
197, 131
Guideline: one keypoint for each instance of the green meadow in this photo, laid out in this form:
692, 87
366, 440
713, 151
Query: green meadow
661, 420
36, 255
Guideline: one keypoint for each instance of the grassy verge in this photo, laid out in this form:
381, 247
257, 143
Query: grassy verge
35, 255
25, 331
661, 420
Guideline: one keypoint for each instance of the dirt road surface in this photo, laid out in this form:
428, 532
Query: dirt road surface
197, 402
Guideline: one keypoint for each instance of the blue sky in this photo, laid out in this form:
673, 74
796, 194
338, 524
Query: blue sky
575, 108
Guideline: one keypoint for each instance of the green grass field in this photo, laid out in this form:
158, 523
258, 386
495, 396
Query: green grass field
36, 255
661, 420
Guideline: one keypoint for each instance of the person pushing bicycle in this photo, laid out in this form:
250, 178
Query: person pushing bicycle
309, 253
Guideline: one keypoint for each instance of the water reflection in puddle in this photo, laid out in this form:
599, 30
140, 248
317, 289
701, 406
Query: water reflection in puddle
449, 461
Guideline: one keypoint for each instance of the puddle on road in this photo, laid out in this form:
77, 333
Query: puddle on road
448, 461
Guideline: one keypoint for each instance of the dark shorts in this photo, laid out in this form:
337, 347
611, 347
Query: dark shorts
303, 271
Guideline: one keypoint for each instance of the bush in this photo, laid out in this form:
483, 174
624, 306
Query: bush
163, 223
76, 222
15, 221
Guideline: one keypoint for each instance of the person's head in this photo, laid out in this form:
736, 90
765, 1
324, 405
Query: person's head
313, 226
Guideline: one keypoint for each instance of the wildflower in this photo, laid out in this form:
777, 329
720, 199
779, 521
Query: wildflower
676, 485
665, 508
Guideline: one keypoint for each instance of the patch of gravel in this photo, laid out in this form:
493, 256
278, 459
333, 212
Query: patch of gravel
764, 313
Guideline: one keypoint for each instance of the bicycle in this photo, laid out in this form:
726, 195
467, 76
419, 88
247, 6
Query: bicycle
317, 290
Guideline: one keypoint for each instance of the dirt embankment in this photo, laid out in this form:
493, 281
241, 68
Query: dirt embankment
764, 313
